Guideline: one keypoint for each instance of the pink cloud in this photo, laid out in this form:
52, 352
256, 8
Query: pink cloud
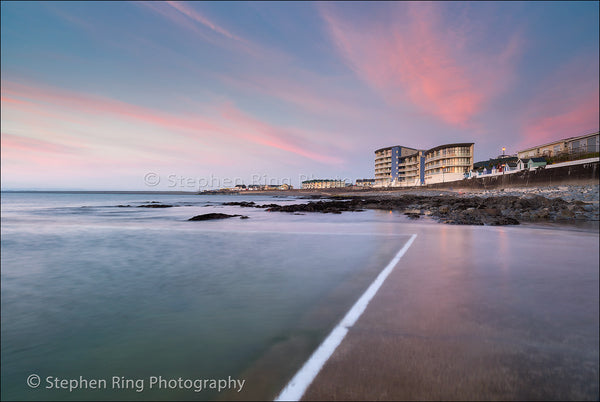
30, 153
262, 133
36, 111
26, 144
6, 99
53, 98
213, 133
578, 119
562, 120
313, 94
566, 104
416, 60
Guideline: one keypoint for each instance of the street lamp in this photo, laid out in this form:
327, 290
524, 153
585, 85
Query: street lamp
503, 149
443, 168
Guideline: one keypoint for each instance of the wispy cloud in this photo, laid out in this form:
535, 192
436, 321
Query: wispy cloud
28, 145
257, 131
576, 119
49, 98
199, 17
413, 59
313, 93
208, 132
182, 15
566, 105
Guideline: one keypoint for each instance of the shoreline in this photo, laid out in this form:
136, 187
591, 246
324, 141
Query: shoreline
491, 207
395, 191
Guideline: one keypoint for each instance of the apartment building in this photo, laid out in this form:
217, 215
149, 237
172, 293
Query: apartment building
389, 165
448, 162
413, 166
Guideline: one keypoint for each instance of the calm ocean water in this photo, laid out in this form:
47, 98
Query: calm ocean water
91, 290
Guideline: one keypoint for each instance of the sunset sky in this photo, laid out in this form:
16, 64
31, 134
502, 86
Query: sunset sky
97, 95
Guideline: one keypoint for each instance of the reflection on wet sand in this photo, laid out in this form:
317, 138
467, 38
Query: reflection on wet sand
477, 313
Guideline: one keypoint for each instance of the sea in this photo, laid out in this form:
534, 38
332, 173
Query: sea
103, 299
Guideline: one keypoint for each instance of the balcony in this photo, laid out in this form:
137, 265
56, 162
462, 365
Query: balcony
431, 165
430, 158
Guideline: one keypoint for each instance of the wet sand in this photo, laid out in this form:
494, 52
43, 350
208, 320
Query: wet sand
477, 313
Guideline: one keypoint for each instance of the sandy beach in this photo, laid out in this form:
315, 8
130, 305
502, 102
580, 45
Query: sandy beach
507, 313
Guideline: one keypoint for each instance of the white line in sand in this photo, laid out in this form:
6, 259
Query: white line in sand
294, 390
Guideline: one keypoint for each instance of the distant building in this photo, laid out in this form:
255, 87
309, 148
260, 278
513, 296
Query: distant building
549, 149
413, 166
501, 163
523, 164
448, 162
582, 144
267, 187
529, 163
365, 182
319, 184
536, 162
389, 167
509, 166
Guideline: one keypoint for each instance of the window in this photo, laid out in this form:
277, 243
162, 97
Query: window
591, 145
575, 146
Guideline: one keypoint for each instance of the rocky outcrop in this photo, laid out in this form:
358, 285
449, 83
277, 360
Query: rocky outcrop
453, 209
208, 217
241, 204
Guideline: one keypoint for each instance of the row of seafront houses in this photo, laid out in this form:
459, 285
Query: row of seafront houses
399, 166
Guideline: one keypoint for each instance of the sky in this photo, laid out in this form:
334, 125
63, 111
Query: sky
198, 95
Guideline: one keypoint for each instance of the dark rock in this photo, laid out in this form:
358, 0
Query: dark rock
504, 220
492, 211
155, 205
207, 217
566, 214
472, 210
241, 204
